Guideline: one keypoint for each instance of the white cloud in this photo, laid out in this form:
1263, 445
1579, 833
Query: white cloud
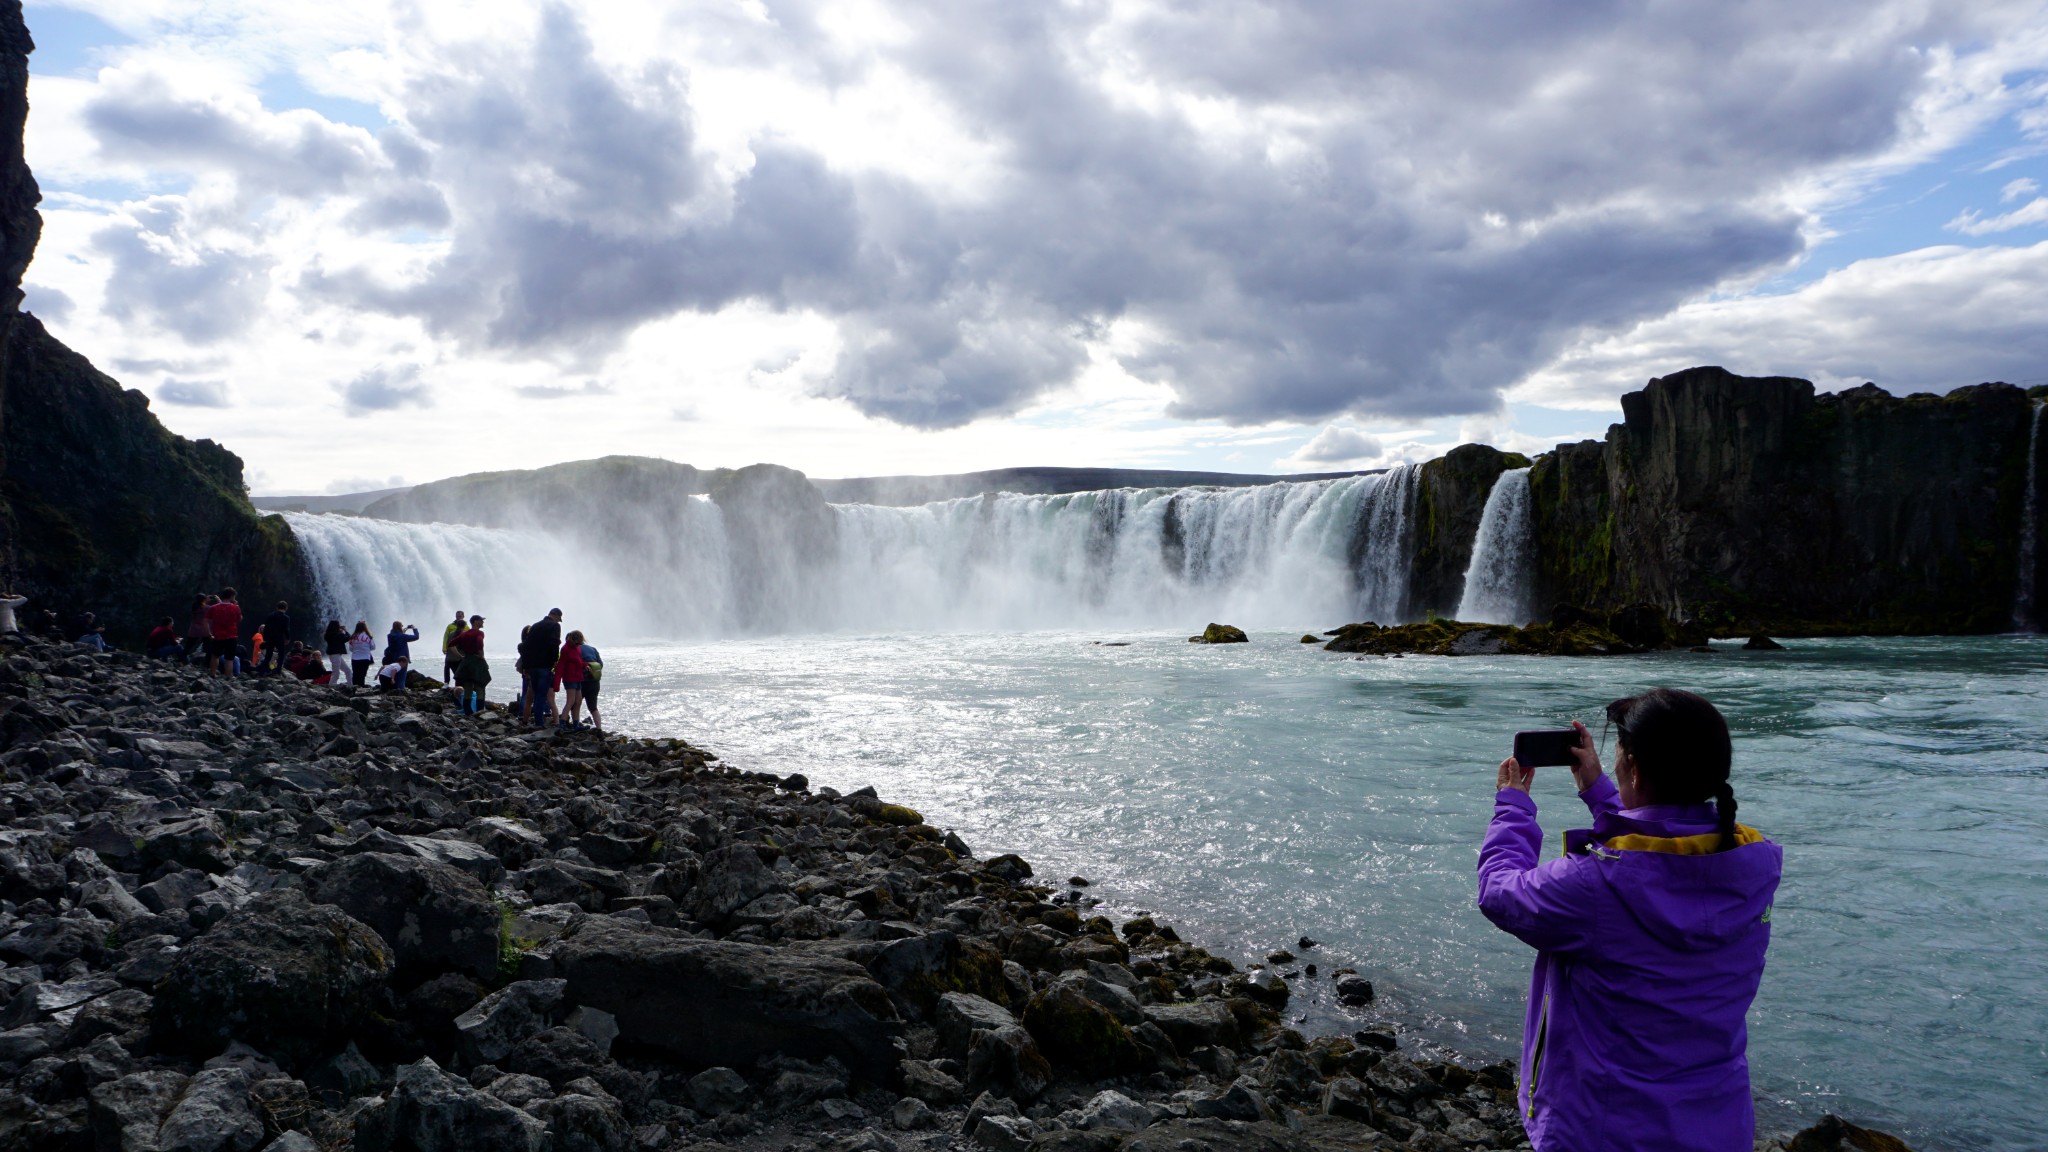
2016, 189
1969, 223
194, 393
1339, 445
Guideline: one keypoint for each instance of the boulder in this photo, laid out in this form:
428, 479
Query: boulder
724, 1003
126, 1113
1220, 634
1195, 1024
28, 869
920, 1079
717, 1091
431, 1111
213, 1115
513, 843
1078, 1034
489, 1031
1354, 991
436, 918
1008, 1056
56, 941
1114, 1111
1005, 1133
580, 1122
483, 866
960, 1014
194, 842
1348, 1098
1834, 1134
291, 978
730, 878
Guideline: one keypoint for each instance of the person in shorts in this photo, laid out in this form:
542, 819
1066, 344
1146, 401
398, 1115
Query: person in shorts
224, 630
593, 675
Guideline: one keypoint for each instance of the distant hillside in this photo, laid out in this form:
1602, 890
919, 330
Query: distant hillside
352, 502
899, 491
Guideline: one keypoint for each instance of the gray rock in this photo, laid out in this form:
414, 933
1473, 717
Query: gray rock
126, 1113
173, 891
292, 1142
106, 899
435, 917
717, 1091
929, 1084
581, 1123
717, 1002
431, 1111
520, 1090
1195, 1024
731, 878
598, 1025
1005, 1133
213, 1115
42, 1000
1009, 1056
511, 842
56, 941
194, 842
1238, 1102
1348, 1098
910, 1114
489, 1031
1115, 1112
482, 866
1396, 1076
987, 1104
288, 977
346, 1074
961, 1014
1354, 990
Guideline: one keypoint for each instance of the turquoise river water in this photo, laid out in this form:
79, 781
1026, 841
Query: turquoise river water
1254, 793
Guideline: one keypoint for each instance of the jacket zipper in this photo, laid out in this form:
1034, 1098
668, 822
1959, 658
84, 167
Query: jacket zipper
1536, 1058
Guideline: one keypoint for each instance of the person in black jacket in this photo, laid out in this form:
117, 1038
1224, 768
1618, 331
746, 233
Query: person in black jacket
537, 654
277, 635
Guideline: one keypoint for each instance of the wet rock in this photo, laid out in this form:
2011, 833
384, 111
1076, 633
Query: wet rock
435, 918
1354, 991
432, 1111
1220, 634
1397, 1077
1195, 1024
1348, 1098
1834, 1134
721, 1003
289, 977
1762, 643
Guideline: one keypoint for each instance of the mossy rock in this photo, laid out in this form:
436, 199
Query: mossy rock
898, 815
1080, 1036
1311, 638
1220, 634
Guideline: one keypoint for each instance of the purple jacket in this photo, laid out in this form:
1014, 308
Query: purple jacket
1649, 949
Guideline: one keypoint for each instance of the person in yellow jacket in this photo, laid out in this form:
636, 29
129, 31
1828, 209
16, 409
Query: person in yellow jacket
449, 656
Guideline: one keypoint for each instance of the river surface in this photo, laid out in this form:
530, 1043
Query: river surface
1251, 794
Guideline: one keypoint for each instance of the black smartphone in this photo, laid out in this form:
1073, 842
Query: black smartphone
1545, 747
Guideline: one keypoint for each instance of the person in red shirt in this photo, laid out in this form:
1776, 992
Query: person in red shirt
569, 675
225, 621
163, 641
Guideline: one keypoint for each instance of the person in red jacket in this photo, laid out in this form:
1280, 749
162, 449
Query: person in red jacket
163, 641
224, 621
569, 677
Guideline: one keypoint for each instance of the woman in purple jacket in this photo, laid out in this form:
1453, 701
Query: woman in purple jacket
1649, 934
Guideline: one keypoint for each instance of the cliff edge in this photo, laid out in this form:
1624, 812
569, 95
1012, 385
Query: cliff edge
101, 507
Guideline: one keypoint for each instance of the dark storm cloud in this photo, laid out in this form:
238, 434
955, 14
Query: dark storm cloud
384, 388
1390, 209
51, 304
204, 294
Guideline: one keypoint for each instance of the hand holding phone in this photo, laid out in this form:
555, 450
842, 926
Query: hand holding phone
1546, 747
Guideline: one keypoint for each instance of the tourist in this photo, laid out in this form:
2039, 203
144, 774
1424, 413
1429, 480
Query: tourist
362, 651
449, 657
569, 677
163, 641
9, 626
593, 670
393, 677
335, 641
252, 651
88, 630
196, 630
1650, 935
46, 625
277, 634
223, 628
538, 654
398, 645
472, 672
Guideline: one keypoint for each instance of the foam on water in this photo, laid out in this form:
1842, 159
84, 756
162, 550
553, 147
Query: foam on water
1258, 792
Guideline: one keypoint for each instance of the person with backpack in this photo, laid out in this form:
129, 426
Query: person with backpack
569, 677
472, 671
362, 652
538, 655
1650, 933
593, 672
449, 656
223, 634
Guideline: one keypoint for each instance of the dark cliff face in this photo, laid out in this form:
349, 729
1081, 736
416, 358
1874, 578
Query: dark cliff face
1753, 503
782, 537
105, 509
1450, 497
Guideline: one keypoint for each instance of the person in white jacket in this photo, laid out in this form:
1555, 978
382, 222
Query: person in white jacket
8, 603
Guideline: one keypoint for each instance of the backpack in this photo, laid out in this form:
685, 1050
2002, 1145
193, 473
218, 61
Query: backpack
593, 664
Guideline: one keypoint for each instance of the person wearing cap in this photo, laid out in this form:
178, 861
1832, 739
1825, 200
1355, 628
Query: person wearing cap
538, 655
472, 671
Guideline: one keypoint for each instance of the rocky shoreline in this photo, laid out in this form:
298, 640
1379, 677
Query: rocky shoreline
265, 914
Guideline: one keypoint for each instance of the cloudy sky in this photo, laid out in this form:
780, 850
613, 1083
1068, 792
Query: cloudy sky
372, 243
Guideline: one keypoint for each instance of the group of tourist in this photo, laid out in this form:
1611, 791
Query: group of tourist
550, 663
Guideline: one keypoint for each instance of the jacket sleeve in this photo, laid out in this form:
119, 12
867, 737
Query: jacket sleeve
1603, 797
1551, 906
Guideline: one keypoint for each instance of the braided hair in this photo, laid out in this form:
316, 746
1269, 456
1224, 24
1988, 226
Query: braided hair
1682, 751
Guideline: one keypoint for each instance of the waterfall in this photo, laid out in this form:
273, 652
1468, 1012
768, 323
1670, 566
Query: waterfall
1290, 556
1497, 583
2025, 611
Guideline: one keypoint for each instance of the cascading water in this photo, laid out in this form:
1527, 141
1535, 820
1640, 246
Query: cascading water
1497, 583
2025, 609
1288, 555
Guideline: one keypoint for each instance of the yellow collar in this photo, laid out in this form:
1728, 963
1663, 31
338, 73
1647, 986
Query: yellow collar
1704, 844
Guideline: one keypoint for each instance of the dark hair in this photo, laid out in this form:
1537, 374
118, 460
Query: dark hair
281, 605
573, 638
1681, 749
227, 593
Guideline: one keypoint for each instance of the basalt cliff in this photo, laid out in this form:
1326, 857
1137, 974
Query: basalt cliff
101, 507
